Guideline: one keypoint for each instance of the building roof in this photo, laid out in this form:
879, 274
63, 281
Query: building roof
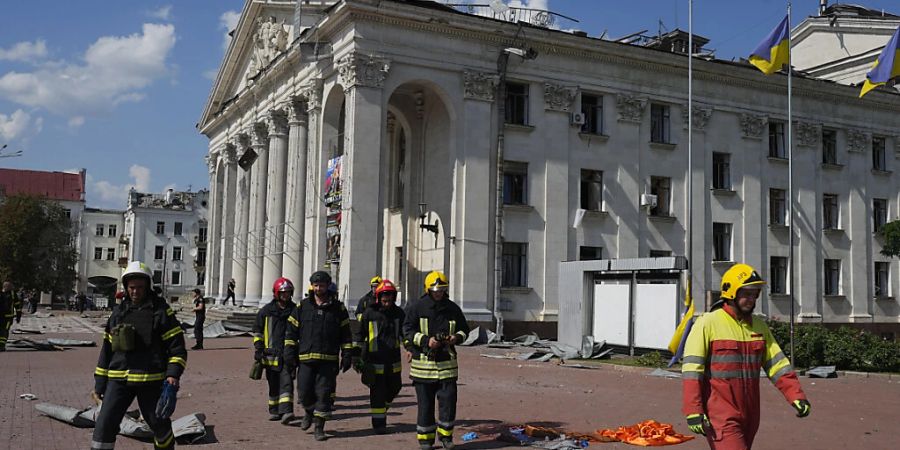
59, 186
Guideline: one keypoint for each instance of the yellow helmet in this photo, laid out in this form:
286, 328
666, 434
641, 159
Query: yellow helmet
375, 281
436, 280
738, 276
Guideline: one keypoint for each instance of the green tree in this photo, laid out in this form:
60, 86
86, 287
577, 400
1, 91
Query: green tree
891, 234
36, 244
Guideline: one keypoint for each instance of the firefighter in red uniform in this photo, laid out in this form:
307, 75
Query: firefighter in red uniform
268, 343
723, 356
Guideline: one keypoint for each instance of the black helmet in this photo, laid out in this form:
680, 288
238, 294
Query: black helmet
320, 276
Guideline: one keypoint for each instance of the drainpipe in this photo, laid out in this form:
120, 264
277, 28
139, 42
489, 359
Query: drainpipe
502, 62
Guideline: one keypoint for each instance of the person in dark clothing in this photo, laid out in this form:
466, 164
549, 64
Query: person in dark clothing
230, 293
10, 308
314, 346
199, 319
433, 327
143, 349
380, 337
80, 301
268, 343
367, 299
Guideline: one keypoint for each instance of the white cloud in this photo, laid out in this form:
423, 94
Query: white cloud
228, 21
24, 51
163, 13
210, 74
19, 125
141, 176
76, 121
104, 194
114, 70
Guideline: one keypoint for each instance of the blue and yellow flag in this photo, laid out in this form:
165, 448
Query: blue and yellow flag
886, 67
676, 345
774, 51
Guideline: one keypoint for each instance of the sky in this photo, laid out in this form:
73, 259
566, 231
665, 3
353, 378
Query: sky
116, 88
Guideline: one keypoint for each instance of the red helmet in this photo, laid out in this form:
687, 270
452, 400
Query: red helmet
385, 286
120, 295
281, 285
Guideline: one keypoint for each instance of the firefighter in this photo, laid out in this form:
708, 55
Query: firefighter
433, 327
317, 331
10, 308
380, 337
143, 349
722, 359
268, 342
367, 299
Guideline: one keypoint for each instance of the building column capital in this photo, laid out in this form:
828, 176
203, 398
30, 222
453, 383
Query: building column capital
356, 69
558, 97
630, 107
277, 123
480, 85
297, 113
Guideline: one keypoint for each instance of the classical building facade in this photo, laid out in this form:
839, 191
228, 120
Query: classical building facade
364, 138
100, 250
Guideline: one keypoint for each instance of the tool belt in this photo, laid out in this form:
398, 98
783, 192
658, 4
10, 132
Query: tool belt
122, 337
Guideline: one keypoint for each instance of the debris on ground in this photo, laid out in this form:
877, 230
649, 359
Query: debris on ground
648, 433
822, 372
28, 397
543, 350
71, 343
664, 373
219, 329
188, 429
28, 344
25, 331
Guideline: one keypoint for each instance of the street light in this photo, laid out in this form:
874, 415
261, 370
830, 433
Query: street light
9, 155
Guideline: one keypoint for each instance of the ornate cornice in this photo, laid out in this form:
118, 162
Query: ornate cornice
753, 125
857, 141
558, 97
229, 155
355, 69
630, 107
312, 92
297, 111
808, 134
212, 160
259, 135
701, 117
277, 123
480, 85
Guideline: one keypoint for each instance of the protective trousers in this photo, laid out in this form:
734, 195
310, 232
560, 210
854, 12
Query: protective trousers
5, 325
116, 400
731, 437
445, 392
198, 330
316, 383
281, 391
382, 392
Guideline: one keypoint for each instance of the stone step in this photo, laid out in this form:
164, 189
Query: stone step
238, 316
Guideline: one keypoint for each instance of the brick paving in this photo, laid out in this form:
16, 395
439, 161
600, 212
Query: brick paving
848, 412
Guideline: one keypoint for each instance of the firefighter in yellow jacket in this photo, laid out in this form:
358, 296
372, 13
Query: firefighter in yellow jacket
724, 353
434, 325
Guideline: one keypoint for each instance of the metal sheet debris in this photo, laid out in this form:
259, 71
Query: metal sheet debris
188, 429
822, 372
664, 373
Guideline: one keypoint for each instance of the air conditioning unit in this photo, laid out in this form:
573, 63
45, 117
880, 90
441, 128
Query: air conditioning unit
648, 200
577, 119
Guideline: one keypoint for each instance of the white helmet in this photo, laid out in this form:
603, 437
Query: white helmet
137, 269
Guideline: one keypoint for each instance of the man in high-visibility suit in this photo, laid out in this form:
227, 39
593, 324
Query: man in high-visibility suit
434, 325
723, 356
268, 344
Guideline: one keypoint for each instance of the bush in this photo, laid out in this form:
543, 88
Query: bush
847, 348
651, 359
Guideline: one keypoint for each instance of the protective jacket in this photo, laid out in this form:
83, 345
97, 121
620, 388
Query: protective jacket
318, 332
380, 337
364, 302
721, 367
427, 318
10, 305
269, 332
158, 348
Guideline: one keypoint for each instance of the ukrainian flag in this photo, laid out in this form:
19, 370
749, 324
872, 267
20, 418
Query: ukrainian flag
886, 67
774, 51
676, 344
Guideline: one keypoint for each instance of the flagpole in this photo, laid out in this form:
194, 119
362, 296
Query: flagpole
790, 185
690, 153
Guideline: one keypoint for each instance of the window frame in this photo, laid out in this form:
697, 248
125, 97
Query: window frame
100, 230
882, 279
829, 146
175, 276
98, 253
514, 259
879, 214
722, 237
112, 230
777, 148
879, 153
515, 170
778, 207
177, 253
584, 249
831, 273
159, 253
778, 270
663, 195
721, 170
110, 254
588, 180
160, 227
831, 212
593, 113
178, 229
517, 103
660, 123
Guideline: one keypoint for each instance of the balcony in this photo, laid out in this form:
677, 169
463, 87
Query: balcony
200, 241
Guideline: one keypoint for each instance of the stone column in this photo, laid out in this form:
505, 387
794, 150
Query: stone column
242, 224
298, 122
275, 200
225, 243
314, 231
630, 111
212, 223
257, 226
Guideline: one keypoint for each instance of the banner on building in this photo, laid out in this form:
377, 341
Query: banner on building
333, 201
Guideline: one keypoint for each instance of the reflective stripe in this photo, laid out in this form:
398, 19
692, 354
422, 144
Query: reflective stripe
290, 342
178, 360
452, 327
434, 374
166, 442
322, 414
319, 356
347, 346
286, 399
273, 402
101, 372
293, 321
172, 333
373, 331
692, 375
426, 364
102, 445
444, 432
784, 370
729, 374
378, 410
731, 358
693, 360
257, 339
266, 333
345, 322
423, 325
169, 312
425, 437
107, 337
135, 377
428, 429
417, 339
775, 360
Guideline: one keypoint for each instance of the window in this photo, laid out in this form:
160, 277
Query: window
879, 157
830, 211
68, 213
157, 277
588, 253
591, 190
515, 182
98, 253
176, 253
201, 234
177, 230
99, 230
879, 213
882, 283
158, 252
201, 257
721, 241
829, 146
661, 187
176, 278
113, 231
659, 124
517, 103
201, 278
515, 264
592, 109
776, 140
399, 170
832, 276
777, 207
721, 171
778, 274
160, 228
110, 254
660, 253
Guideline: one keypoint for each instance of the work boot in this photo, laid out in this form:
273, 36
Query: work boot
274, 417
286, 418
425, 446
447, 442
197, 347
320, 429
381, 430
306, 421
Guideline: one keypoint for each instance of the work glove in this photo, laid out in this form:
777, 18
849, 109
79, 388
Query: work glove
100, 388
289, 363
346, 362
166, 404
259, 354
697, 422
802, 406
